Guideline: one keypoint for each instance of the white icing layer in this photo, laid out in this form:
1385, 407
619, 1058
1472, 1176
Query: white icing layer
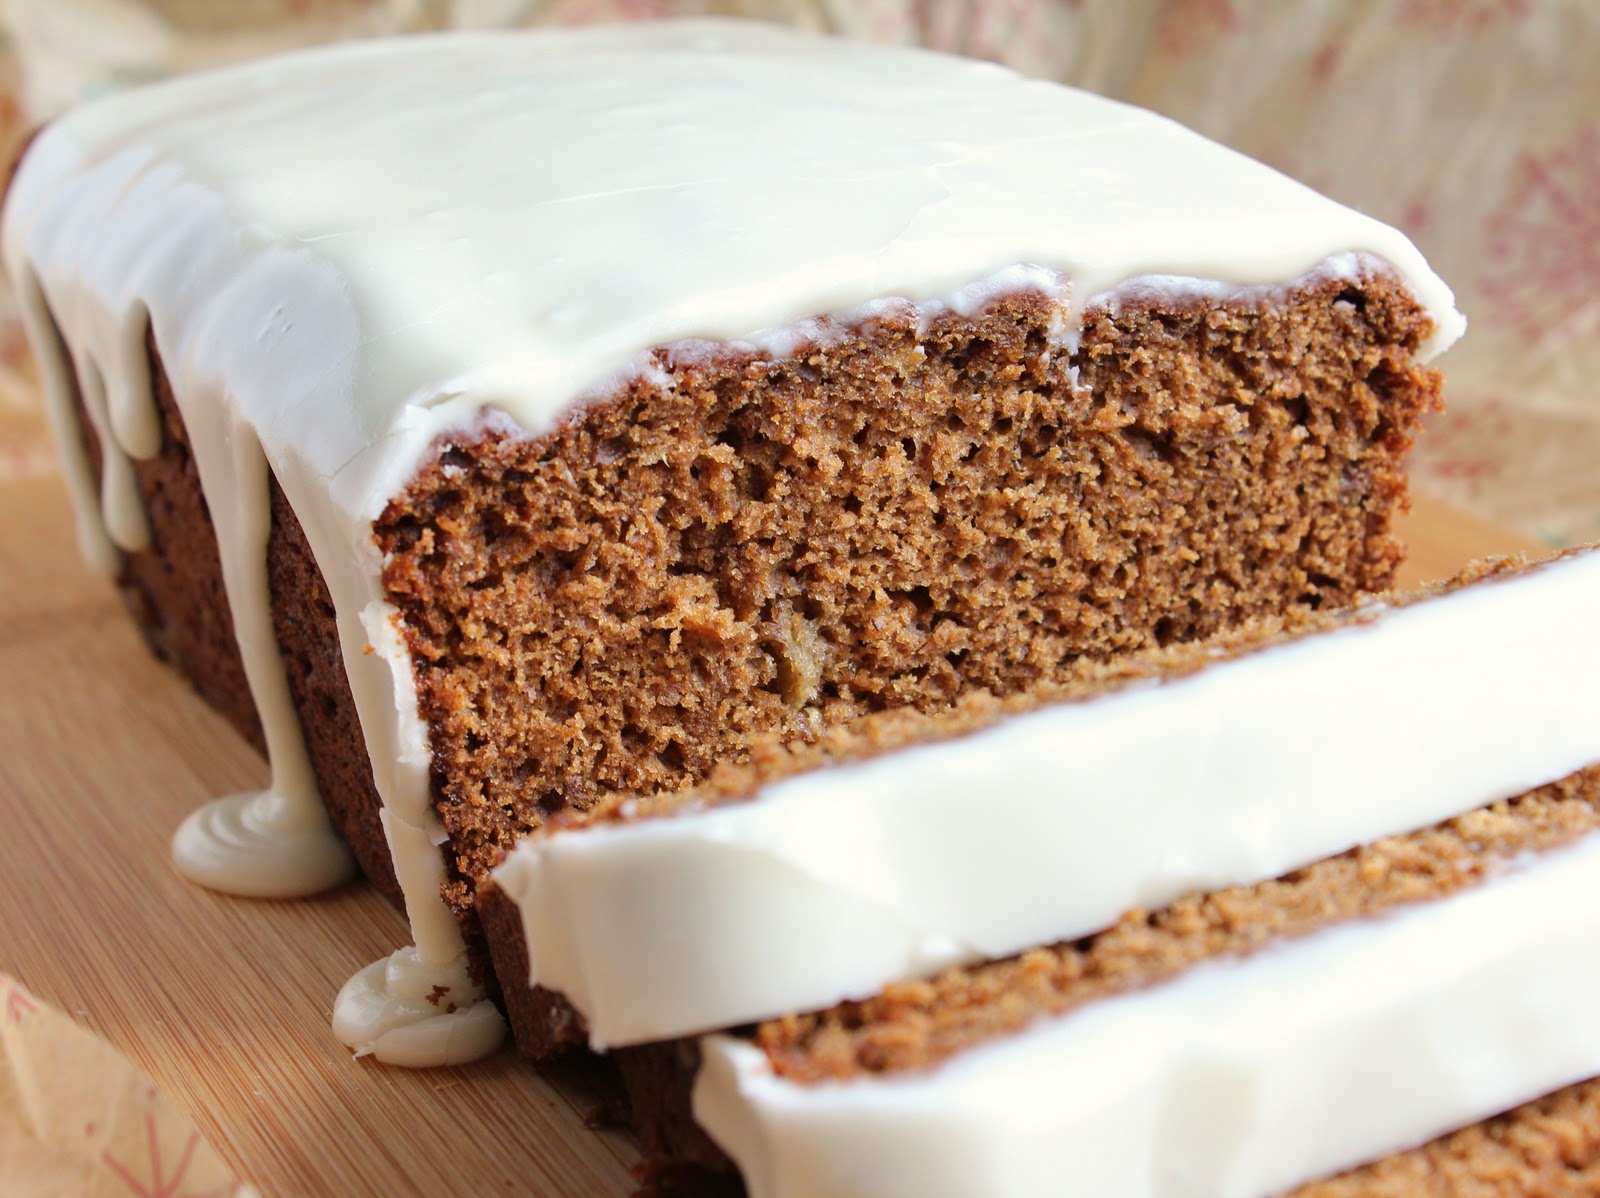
1051, 825
512, 218
403, 1011
1237, 1080
346, 253
259, 846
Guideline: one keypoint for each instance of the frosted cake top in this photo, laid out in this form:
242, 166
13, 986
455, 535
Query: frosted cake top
362, 246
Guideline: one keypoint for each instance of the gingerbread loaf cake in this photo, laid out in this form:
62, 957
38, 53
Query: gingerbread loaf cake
490, 424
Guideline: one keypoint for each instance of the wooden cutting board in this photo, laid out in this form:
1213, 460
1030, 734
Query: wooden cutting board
225, 1002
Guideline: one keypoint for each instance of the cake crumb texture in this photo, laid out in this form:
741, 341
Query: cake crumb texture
734, 547
771, 758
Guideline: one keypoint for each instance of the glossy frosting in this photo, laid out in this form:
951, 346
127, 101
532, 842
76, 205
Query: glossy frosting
1239, 1079
1049, 826
347, 253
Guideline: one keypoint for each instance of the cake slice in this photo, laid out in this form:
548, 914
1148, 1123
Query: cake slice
1408, 1016
493, 423
1352, 1016
924, 842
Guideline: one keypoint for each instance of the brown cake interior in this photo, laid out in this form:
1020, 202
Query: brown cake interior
893, 519
886, 520
772, 758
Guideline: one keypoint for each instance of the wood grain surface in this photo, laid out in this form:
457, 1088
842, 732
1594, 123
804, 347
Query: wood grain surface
225, 1002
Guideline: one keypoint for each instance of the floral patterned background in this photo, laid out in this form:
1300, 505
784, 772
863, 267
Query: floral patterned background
77, 1120
1469, 123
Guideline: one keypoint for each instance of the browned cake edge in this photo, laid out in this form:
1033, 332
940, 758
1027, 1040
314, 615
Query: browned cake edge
175, 591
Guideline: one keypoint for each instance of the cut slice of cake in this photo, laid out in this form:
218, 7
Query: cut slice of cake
1237, 1044
924, 842
1410, 1016
559, 415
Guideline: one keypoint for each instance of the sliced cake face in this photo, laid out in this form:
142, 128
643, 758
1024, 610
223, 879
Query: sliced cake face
641, 392
911, 510
1051, 824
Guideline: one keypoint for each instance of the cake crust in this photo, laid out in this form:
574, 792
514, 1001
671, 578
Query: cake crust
175, 592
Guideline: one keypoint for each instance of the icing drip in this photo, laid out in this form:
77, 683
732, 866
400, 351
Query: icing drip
259, 845
278, 843
232, 846
120, 506
418, 1006
404, 1012
59, 386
